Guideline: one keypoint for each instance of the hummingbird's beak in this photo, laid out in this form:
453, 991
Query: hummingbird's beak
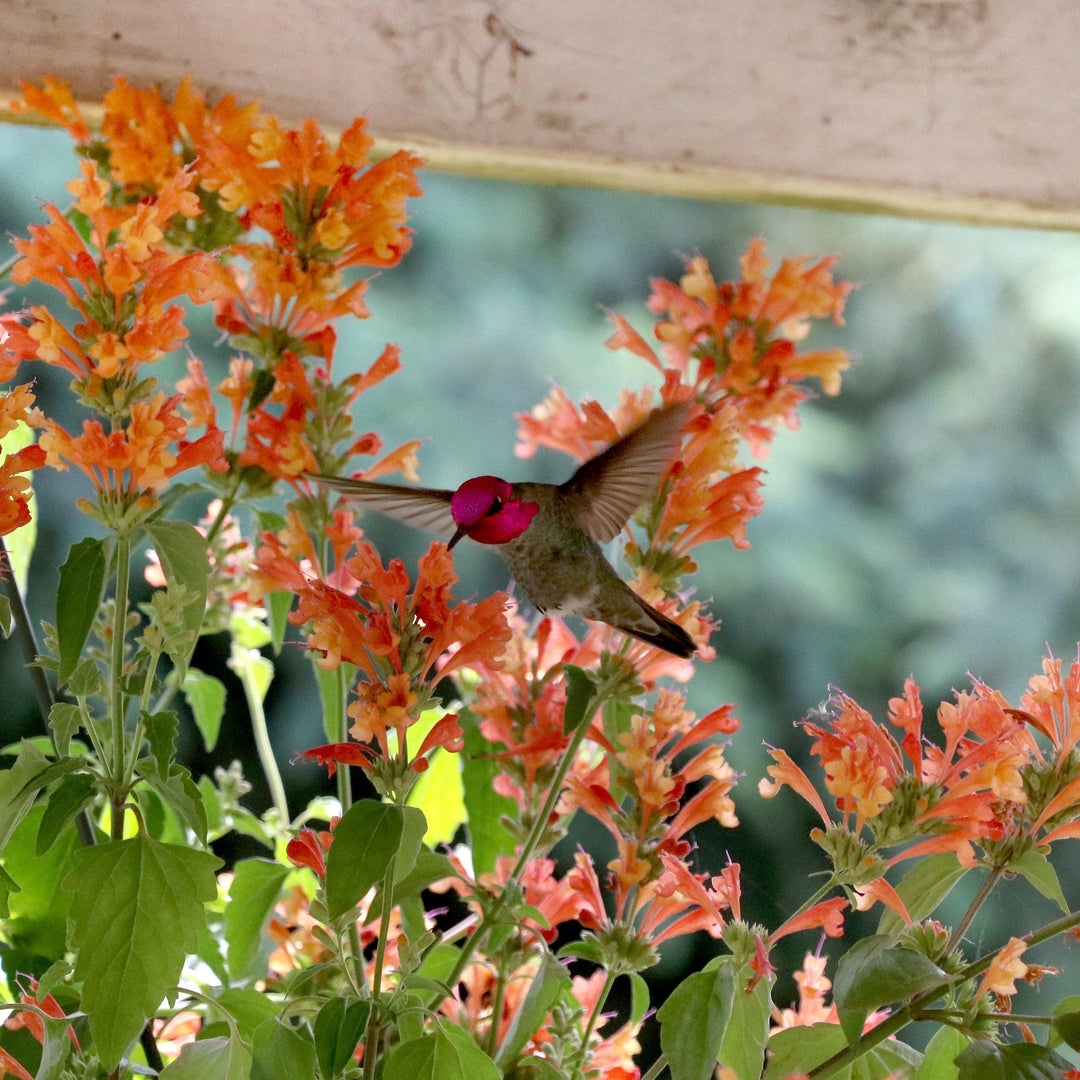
455, 538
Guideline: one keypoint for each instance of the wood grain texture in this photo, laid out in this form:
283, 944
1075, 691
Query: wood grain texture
957, 108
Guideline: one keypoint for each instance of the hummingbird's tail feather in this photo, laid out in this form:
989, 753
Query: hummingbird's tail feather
655, 628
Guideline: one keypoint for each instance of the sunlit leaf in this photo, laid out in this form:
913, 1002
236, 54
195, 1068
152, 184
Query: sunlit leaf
255, 887
205, 696
137, 911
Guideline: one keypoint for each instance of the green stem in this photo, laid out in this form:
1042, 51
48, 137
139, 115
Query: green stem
913, 1010
529, 848
374, 1023
609, 979
656, 1068
980, 897
7, 265
244, 669
117, 695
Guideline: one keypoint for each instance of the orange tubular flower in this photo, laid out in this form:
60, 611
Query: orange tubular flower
15, 492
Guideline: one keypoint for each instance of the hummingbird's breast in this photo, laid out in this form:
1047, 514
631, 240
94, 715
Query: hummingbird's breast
555, 562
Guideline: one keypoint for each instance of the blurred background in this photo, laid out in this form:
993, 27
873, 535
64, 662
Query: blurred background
925, 522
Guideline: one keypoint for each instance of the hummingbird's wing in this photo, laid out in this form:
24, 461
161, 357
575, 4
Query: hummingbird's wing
423, 508
608, 488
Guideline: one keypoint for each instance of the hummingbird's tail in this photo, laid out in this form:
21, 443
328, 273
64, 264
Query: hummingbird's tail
648, 624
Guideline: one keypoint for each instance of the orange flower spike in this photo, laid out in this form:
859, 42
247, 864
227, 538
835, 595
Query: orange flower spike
907, 714
55, 102
140, 132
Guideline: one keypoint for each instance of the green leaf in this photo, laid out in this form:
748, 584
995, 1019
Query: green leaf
77, 600
6, 620
219, 1058
747, 1035
939, 1060
1066, 1022
71, 795
484, 807
205, 696
1038, 871
137, 910
875, 972
801, 1049
277, 606
366, 838
639, 998
8, 885
429, 866
15, 798
38, 912
161, 729
181, 548
545, 987
282, 1051
693, 1022
56, 1049
182, 794
338, 1029
580, 693
447, 1053
65, 719
984, 1060
255, 887
922, 888
248, 1008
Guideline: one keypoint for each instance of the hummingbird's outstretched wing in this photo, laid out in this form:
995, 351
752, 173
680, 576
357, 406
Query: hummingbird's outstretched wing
608, 488
423, 508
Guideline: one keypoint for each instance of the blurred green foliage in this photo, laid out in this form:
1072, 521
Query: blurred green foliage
924, 522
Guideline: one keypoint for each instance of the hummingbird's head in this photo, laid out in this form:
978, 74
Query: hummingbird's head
484, 508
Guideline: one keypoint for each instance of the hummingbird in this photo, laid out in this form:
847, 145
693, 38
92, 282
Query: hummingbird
549, 535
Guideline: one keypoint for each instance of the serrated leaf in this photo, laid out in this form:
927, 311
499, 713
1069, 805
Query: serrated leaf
875, 972
86, 680
254, 889
183, 795
580, 693
922, 888
1037, 870
205, 696
939, 1059
182, 551
161, 729
984, 1060
77, 600
71, 795
801, 1049
429, 866
224, 1057
338, 1028
447, 1053
544, 989
65, 719
15, 798
282, 1051
484, 806
366, 838
137, 910
693, 1022
747, 1035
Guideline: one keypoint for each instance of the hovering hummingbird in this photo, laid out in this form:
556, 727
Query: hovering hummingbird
549, 535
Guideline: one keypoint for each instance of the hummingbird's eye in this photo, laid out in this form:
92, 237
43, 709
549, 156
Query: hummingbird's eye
496, 506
